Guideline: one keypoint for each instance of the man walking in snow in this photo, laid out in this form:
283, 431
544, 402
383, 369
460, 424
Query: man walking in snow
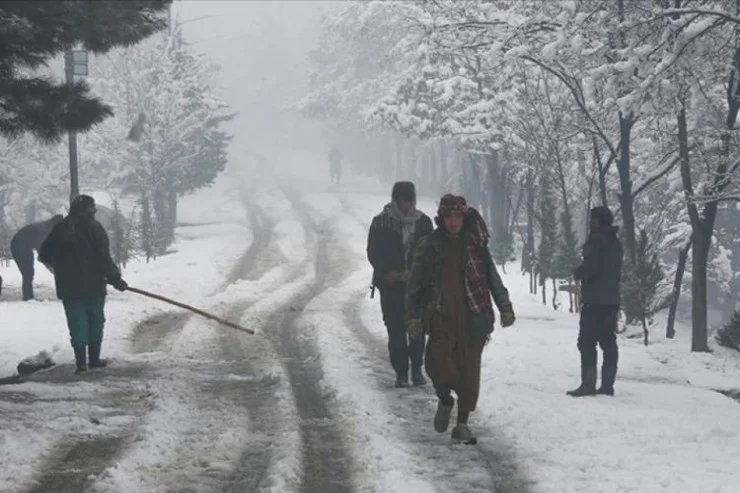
391, 241
77, 251
22, 245
335, 164
449, 295
600, 275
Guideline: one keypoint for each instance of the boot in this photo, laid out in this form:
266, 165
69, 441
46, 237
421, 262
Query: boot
81, 359
417, 377
442, 416
94, 354
462, 433
402, 381
608, 375
588, 383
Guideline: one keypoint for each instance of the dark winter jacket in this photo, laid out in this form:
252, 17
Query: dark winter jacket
601, 270
31, 237
424, 291
78, 251
385, 245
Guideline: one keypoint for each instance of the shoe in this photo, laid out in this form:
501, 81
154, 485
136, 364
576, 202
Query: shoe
93, 351
81, 370
588, 383
442, 416
402, 382
462, 433
608, 375
417, 378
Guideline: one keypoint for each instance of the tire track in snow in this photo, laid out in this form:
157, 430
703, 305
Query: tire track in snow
326, 459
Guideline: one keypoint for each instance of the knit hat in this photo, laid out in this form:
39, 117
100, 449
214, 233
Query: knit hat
403, 191
452, 204
80, 204
602, 214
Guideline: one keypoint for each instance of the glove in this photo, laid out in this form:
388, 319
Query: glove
392, 277
119, 284
507, 318
413, 328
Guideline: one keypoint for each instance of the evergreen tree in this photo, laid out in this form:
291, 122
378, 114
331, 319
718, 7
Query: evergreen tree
33, 32
729, 335
548, 234
640, 283
147, 233
502, 249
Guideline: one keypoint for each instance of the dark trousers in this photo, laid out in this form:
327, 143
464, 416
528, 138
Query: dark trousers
598, 326
24, 260
401, 348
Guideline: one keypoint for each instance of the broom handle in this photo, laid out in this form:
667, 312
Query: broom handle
192, 309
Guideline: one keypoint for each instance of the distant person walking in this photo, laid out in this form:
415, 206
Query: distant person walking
335, 165
77, 251
22, 245
600, 275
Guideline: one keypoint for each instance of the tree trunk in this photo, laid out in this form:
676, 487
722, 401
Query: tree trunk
699, 256
444, 170
683, 253
555, 304
626, 198
543, 283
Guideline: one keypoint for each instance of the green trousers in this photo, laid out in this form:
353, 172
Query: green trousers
85, 320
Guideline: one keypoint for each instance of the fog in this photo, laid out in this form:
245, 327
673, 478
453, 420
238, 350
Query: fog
262, 50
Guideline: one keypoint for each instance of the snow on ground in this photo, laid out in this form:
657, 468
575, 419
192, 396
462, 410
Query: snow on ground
666, 430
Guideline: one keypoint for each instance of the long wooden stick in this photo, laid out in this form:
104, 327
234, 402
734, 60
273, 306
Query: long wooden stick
190, 308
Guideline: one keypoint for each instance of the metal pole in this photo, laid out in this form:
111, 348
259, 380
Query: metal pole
74, 189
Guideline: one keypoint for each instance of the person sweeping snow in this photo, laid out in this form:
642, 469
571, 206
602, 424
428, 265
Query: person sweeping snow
77, 252
449, 295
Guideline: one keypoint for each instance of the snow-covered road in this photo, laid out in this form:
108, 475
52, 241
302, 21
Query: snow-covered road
307, 405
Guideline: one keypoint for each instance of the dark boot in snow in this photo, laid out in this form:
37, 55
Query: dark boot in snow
442, 416
588, 383
94, 353
81, 359
417, 377
608, 375
402, 381
462, 433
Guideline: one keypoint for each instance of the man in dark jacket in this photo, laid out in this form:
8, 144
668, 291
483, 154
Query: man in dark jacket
392, 239
22, 245
600, 275
78, 253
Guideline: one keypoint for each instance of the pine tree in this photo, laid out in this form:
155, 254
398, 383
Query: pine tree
502, 249
147, 233
729, 335
40, 105
120, 246
640, 283
548, 234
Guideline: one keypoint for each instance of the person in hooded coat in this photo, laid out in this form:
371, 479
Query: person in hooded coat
449, 296
22, 245
600, 274
77, 251
393, 236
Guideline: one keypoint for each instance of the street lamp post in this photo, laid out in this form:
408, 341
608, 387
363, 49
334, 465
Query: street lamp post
75, 63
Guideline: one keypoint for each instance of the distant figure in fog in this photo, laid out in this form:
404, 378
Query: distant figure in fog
24, 242
335, 164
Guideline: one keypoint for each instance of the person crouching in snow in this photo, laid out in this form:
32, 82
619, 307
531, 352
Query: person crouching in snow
394, 233
77, 251
449, 295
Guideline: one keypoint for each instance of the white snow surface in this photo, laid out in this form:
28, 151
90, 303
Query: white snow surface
667, 429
